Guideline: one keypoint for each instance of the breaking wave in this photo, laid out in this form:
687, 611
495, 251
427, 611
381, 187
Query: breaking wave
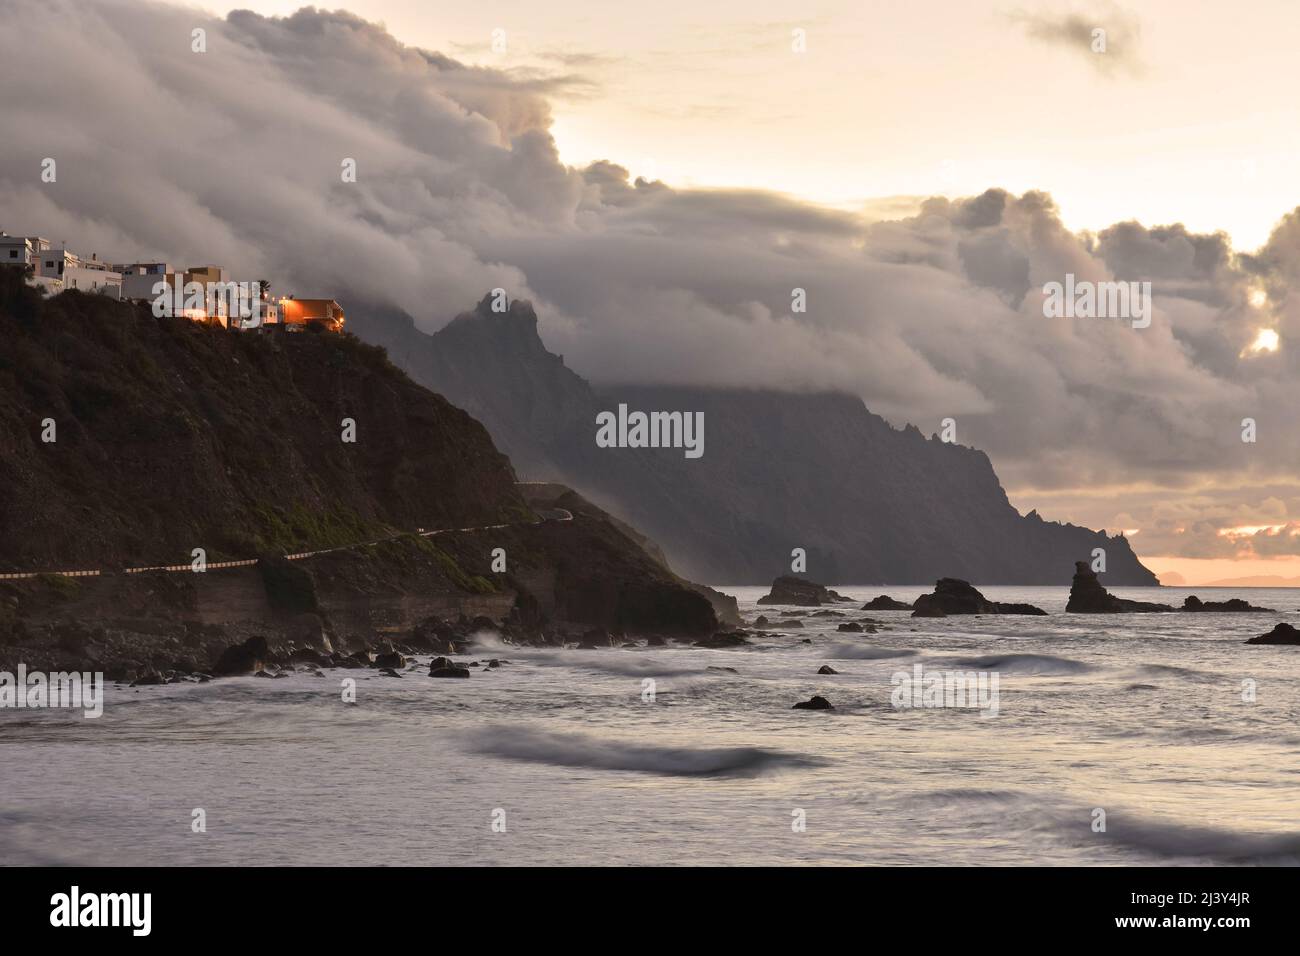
1024, 664
580, 750
856, 652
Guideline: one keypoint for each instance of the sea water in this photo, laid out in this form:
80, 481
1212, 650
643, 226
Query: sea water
1184, 738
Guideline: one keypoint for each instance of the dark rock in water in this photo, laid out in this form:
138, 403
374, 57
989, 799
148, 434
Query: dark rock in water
445, 667
827, 669
729, 670
307, 655
1087, 596
437, 635
244, 658
276, 676
952, 596
390, 659
851, 627
594, 638
792, 623
389, 671
724, 639
1193, 603
806, 641
149, 677
928, 612
761, 620
816, 703
788, 589
885, 603
364, 658
1282, 634
827, 614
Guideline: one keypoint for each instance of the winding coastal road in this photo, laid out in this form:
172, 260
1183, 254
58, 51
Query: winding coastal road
547, 514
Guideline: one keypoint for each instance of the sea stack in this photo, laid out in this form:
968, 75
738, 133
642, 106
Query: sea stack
886, 603
788, 589
1087, 596
953, 596
1282, 634
1236, 605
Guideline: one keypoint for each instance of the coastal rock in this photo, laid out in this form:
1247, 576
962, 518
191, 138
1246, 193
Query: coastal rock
851, 627
788, 589
814, 703
596, 637
885, 603
390, 659
952, 596
724, 639
445, 667
1282, 634
827, 669
245, 658
1235, 605
1087, 596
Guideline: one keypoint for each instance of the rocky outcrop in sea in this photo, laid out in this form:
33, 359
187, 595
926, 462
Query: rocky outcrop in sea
788, 589
951, 596
1087, 596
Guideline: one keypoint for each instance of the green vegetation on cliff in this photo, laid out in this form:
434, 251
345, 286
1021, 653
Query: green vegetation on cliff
171, 435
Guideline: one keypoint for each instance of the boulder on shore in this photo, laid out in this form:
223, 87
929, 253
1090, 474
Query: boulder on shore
445, 667
815, 703
885, 603
724, 639
952, 596
788, 589
1282, 634
1193, 603
245, 658
1087, 596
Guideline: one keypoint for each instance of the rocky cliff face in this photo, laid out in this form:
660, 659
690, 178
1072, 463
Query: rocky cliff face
170, 436
869, 503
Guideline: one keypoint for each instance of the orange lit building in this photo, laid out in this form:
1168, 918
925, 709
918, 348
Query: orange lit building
299, 314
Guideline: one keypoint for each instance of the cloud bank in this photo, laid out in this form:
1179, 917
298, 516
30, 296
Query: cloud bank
233, 156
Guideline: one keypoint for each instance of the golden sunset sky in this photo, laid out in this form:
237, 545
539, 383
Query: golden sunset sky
1186, 117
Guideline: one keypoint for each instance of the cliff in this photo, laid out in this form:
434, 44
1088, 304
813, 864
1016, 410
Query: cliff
868, 502
168, 436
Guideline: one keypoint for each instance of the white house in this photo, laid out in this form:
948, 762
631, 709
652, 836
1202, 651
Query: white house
85, 275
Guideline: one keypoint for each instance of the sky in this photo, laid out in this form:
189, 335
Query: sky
658, 182
1187, 117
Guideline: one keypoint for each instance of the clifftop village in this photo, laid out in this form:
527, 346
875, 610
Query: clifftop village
200, 293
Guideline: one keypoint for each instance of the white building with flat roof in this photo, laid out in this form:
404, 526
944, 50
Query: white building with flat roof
84, 275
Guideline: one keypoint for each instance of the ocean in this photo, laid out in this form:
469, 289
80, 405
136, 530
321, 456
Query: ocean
570, 757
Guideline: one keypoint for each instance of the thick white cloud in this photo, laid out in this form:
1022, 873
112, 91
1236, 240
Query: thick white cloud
233, 156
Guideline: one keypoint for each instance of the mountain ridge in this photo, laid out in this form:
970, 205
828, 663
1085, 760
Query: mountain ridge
868, 502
